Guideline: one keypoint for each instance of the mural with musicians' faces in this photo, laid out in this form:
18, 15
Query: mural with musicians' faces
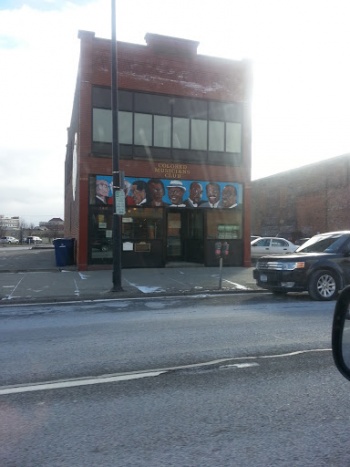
156, 192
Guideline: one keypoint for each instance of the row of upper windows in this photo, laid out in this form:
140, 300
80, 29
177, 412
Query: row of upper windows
145, 129
175, 106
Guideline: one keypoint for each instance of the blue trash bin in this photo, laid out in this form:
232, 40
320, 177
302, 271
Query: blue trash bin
64, 251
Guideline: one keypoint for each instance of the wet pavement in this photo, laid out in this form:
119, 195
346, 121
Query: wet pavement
30, 275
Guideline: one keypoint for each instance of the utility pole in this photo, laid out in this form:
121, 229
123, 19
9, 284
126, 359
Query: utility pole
118, 191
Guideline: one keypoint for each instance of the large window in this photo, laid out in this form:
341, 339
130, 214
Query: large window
100, 233
102, 127
224, 225
143, 130
216, 136
199, 134
233, 137
149, 120
145, 224
181, 133
162, 131
125, 127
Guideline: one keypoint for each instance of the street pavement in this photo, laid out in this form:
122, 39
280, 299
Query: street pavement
30, 275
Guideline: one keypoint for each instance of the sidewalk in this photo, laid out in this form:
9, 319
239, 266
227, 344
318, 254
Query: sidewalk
31, 276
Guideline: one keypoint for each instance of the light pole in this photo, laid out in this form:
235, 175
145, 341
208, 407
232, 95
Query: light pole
117, 231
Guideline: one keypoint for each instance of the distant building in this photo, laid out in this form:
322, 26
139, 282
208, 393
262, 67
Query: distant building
9, 222
54, 228
184, 126
303, 201
52, 223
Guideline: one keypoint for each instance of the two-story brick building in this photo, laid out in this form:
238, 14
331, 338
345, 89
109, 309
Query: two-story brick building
184, 146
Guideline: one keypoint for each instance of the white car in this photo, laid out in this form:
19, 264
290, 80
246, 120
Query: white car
33, 239
271, 246
9, 240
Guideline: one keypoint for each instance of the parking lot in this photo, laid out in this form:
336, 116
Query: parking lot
26, 258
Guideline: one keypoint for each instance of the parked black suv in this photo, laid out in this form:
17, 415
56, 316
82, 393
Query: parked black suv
321, 266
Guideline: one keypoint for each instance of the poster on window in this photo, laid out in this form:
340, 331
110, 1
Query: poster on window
156, 192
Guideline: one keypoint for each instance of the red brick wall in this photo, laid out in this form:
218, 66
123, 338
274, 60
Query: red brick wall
303, 201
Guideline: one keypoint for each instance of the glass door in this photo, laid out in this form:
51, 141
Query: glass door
185, 235
193, 236
174, 232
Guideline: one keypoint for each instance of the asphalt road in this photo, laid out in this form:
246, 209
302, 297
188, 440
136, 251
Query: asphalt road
181, 382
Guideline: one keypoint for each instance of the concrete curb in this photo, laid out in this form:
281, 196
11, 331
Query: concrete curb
125, 295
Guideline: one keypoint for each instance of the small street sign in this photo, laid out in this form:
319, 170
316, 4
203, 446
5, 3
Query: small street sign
120, 202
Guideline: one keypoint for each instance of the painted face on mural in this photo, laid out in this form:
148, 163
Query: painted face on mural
229, 196
137, 194
175, 195
156, 191
196, 192
213, 193
102, 191
102, 188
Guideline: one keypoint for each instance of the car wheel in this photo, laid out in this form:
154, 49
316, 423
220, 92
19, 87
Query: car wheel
323, 285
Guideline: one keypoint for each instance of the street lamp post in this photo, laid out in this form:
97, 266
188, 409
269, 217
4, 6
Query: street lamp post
117, 243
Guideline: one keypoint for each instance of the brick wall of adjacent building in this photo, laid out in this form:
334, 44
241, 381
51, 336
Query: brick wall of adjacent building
303, 201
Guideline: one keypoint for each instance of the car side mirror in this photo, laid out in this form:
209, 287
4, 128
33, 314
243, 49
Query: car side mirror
341, 333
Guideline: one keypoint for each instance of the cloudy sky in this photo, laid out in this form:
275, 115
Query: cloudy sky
301, 62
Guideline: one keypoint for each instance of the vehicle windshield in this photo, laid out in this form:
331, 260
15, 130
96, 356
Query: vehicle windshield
322, 244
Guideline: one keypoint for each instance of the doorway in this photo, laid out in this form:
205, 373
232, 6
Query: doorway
185, 235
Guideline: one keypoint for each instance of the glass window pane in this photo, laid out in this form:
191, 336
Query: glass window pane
102, 125
199, 134
222, 223
125, 127
162, 126
143, 129
143, 223
196, 108
216, 136
181, 133
100, 232
101, 97
225, 111
124, 100
233, 137
151, 103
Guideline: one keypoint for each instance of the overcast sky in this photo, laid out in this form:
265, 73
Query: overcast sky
301, 64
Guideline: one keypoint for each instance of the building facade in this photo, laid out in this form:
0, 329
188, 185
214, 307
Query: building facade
304, 201
9, 222
184, 129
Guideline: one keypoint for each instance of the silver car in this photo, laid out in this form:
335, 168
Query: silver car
271, 246
9, 240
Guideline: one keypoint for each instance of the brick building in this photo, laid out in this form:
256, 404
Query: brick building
304, 201
184, 129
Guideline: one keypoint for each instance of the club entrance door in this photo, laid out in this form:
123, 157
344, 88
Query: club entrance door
185, 235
